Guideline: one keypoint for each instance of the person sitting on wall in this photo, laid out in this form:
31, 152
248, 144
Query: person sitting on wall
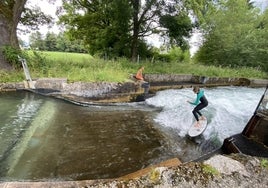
140, 78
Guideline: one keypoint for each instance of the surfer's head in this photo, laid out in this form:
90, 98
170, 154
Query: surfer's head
196, 89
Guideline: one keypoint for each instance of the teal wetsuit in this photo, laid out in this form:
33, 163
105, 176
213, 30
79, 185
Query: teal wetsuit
203, 103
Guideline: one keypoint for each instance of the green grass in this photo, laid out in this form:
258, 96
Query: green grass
210, 170
83, 67
67, 57
264, 163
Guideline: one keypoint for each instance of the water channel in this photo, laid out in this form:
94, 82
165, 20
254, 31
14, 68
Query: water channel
43, 138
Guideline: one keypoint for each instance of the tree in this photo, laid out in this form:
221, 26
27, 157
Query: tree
103, 25
234, 36
56, 42
178, 28
11, 13
36, 41
161, 17
120, 26
51, 42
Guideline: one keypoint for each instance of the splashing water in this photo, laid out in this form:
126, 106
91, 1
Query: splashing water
228, 111
44, 138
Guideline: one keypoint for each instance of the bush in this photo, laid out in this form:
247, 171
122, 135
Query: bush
11, 55
175, 54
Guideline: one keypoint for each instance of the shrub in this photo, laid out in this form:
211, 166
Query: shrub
11, 55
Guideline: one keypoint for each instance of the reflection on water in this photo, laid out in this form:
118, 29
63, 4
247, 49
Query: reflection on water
44, 138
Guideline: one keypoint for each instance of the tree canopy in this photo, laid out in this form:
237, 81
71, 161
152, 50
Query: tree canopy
235, 34
56, 42
119, 27
13, 12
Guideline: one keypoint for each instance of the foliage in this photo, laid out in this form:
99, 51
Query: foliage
175, 54
16, 12
83, 67
103, 26
209, 169
11, 55
235, 35
199, 9
178, 28
178, 55
38, 61
56, 42
118, 28
11, 76
264, 163
11, 14
36, 41
33, 18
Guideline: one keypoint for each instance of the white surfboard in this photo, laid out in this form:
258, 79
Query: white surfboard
196, 131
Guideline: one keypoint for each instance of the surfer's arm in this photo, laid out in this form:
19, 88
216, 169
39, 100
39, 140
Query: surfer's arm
199, 95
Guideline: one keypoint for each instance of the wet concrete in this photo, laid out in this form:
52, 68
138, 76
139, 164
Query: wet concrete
104, 92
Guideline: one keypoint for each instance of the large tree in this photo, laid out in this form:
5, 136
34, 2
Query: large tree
10, 14
13, 12
122, 25
101, 24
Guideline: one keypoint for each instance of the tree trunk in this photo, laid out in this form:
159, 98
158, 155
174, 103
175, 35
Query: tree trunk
10, 14
135, 36
134, 46
4, 40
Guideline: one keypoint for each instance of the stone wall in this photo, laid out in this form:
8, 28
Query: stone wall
157, 82
11, 86
164, 78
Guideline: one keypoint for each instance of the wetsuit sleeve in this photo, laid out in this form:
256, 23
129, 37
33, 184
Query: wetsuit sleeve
199, 95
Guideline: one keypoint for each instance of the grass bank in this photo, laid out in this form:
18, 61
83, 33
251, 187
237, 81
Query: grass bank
83, 67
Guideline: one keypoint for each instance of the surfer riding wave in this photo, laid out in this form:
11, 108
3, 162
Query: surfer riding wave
200, 102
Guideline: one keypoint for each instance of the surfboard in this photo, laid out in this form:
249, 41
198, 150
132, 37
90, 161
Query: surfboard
196, 131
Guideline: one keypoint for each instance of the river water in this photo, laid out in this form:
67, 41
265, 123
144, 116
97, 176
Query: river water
43, 138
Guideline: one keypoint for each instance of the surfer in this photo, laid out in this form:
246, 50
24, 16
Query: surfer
200, 102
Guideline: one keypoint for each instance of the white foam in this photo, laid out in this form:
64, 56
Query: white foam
228, 111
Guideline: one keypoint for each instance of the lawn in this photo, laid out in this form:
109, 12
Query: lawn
83, 67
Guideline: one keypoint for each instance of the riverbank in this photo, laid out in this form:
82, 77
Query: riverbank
235, 170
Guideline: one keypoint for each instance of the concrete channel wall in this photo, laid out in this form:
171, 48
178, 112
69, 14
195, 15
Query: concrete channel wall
123, 92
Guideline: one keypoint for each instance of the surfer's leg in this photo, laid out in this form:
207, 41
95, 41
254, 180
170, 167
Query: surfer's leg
201, 115
198, 108
196, 111
195, 114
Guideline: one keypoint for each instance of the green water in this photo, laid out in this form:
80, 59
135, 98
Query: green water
43, 138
